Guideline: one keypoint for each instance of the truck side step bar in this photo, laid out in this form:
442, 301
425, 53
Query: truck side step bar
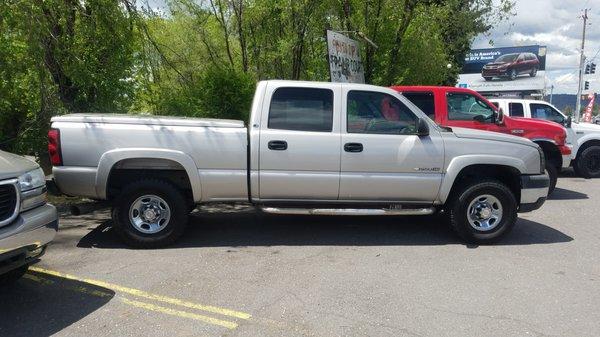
348, 211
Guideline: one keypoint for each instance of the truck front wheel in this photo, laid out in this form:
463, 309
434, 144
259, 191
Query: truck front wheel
553, 175
150, 214
483, 211
587, 164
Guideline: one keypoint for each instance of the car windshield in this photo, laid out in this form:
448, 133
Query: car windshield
507, 58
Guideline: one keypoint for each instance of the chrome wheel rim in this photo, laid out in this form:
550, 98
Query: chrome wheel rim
149, 214
513, 75
484, 212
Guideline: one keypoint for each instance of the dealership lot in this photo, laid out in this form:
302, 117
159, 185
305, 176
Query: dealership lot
241, 273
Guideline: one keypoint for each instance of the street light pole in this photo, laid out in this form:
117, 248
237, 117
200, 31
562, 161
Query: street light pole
551, 92
581, 62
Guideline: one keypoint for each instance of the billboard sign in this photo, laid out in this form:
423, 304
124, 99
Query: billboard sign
505, 69
345, 64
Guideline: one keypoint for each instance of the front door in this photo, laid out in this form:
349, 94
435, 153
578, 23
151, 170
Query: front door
382, 157
469, 111
299, 155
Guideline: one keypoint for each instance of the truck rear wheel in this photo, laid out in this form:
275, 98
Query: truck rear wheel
483, 211
587, 164
150, 214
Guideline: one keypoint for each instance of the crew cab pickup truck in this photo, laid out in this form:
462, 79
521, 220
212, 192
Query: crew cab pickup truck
583, 137
309, 148
27, 222
450, 106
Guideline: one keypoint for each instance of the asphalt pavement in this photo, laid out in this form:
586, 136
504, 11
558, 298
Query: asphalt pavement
238, 272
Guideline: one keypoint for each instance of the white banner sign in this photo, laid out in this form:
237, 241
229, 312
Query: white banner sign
345, 64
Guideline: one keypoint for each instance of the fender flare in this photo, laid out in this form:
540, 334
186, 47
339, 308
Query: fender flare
110, 158
552, 142
458, 164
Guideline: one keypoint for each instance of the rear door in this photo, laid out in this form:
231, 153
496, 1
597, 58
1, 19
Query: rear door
382, 158
299, 147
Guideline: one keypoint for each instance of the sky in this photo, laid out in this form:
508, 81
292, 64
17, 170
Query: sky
553, 23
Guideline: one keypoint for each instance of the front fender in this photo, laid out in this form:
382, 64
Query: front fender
110, 158
457, 164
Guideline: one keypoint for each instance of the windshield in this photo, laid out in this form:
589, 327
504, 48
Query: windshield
507, 58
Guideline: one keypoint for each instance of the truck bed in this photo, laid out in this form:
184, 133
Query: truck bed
149, 120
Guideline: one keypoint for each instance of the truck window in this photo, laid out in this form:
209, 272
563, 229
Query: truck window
423, 100
466, 107
543, 111
378, 113
301, 109
515, 110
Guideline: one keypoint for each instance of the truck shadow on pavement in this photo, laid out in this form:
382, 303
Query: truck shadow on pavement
564, 194
253, 228
42, 305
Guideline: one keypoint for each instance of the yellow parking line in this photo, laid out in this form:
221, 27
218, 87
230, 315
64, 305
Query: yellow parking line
179, 313
143, 294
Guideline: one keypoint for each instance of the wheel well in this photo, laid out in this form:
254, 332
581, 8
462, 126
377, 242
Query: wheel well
505, 174
128, 170
587, 144
552, 153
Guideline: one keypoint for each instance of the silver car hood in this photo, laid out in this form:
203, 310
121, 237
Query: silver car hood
488, 135
12, 166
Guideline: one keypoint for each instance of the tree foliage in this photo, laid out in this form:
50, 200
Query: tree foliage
202, 58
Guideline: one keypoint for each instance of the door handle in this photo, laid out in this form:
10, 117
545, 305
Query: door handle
278, 145
353, 147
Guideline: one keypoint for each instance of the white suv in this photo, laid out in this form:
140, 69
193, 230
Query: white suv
583, 137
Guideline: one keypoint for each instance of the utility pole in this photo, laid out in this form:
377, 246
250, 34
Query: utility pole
581, 62
551, 92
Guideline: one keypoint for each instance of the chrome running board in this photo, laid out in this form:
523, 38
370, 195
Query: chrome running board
348, 211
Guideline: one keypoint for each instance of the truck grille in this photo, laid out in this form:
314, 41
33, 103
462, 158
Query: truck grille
8, 201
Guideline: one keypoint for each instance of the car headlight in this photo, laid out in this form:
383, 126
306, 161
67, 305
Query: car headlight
542, 160
32, 180
33, 189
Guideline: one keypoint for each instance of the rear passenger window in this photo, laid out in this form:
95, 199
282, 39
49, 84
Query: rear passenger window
423, 100
515, 110
301, 109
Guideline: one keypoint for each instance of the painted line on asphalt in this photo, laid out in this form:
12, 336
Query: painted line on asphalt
139, 304
179, 313
147, 295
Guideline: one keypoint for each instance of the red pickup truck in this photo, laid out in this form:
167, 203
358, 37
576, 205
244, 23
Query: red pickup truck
460, 107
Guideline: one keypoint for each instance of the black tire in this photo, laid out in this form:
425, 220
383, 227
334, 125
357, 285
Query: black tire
533, 72
587, 164
487, 78
553, 175
13, 275
512, 75
171, 230
461, 200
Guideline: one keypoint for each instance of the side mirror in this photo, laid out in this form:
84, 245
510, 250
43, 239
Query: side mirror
422, 128
568, 122
499, 117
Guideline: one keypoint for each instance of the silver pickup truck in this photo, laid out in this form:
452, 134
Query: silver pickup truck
309, 148
27, 222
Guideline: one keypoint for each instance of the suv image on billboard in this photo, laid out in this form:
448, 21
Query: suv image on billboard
511, 65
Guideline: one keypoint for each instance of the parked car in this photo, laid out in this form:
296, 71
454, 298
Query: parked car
310, 148
511, 65
27, 222
450, 106
583, 137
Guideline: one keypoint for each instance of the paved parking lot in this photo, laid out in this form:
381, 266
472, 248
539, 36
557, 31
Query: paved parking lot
241, 273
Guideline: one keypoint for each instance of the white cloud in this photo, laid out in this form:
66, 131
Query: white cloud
553, 23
